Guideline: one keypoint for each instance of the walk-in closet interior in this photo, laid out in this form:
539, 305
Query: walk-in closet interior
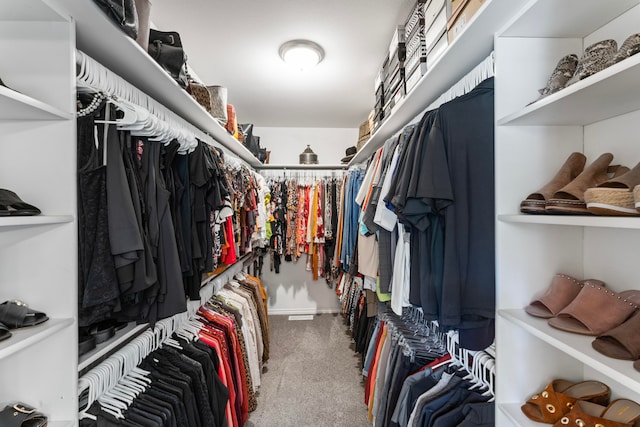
428, 218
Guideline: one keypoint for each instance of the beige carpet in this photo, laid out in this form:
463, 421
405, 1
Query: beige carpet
313, 377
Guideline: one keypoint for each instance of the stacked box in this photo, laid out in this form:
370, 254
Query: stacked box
416, 61
378, 110
394, 87
436, 14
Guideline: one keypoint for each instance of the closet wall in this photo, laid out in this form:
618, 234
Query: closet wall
286, 143
596, 115
293, 290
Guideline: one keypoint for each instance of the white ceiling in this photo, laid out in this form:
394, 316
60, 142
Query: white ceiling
234, 43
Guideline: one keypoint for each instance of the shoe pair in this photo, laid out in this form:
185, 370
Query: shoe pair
589, 308
585, 307
586, 403
566, 192
596, 57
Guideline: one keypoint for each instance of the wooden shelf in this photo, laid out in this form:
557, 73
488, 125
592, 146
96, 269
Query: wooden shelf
615, 88
566, 18
103, 41
106, 348
25, 337
472, 46
26, 221
574, 220
17, 106
577, 346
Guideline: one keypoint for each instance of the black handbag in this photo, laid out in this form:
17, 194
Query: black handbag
165, 47
122, 13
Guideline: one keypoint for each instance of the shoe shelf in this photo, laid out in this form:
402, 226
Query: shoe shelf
122, 336
575, 220
26, 221
577, 346
472, 46
17, 106
616, 89
25, 337
564, 19
61, 424
515, 415
103, 41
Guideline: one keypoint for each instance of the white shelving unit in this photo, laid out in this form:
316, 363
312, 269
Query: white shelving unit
38, 254
104, 349
103, 41
596, 115
472, 46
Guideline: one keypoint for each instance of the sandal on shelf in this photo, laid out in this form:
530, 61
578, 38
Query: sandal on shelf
572, 167
559, 397
615, 196
21, 415
4, 332
102, 331
621, 342
16, 314
619, 413
570, 198
596, 310
12, 205
562, 290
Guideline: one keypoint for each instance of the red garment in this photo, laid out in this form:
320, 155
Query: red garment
227, 324
224, 372
229, 257
367, 389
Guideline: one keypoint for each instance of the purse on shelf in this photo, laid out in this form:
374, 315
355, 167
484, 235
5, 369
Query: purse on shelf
201, 94
165, 47
122, 13
219, 103
21, 415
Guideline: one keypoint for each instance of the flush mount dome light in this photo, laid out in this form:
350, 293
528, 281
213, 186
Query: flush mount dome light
301, 54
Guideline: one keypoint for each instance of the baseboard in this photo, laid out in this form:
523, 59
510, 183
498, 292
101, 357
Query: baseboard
288, 311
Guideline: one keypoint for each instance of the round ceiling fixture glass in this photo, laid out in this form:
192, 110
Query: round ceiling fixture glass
301, 54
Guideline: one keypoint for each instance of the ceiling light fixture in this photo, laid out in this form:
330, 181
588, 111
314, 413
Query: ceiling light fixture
301, 54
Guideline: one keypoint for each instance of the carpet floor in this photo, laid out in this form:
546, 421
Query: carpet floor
313, 377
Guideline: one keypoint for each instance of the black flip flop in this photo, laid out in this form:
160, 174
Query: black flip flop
16, 314
12, 205
4, 332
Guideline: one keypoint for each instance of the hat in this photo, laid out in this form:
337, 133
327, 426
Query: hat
596, 58
350, 152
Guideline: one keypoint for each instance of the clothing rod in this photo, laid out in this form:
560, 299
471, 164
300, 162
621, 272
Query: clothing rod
93, 75
302, 167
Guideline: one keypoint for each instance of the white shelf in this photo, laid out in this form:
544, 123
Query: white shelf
616, 89
17, 106
61, 424
566, 18
99, 38
17, 221
574, 220
515, 415
472, 46
105, 348
25, 337
37, 11
577, 346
